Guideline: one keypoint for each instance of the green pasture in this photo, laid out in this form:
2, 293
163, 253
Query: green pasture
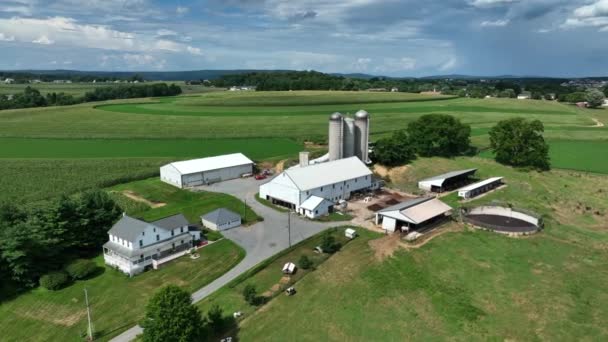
584, 155
117, 301
257, 149
78, 89
175, 201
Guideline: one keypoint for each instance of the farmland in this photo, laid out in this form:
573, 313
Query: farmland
466, 284
78, 89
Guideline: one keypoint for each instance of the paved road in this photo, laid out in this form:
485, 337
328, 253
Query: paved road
261, 240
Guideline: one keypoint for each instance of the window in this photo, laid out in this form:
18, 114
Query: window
154, 229
321, 188
333, 186
172, 232
181, 230
366, 177
356, 180
157, 237
141, 243
181, 242
143, 233
141, 256
308, 192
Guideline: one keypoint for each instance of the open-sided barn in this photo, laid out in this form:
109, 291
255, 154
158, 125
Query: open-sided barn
446, 181
412, 214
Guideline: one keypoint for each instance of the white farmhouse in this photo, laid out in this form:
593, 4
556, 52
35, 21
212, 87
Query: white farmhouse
9, 81
313, 190
135, 245
204, 171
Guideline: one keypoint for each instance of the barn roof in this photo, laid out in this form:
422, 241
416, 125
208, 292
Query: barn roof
312, 202
480, 184
210, 163
440, 179
318, 175
417, 210
221, 216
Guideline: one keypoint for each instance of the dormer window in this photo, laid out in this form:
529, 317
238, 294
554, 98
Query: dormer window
181, 229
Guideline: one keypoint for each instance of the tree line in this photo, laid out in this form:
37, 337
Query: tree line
31, 97
517, 142
43, 238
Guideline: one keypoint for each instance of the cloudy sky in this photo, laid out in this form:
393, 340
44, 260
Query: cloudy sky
386, 37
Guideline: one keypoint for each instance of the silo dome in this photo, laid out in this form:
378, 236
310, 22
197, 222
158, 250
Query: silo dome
362, 114
336, 116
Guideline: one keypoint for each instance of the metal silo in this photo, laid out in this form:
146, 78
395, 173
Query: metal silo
348, 136
362, 135
335, 136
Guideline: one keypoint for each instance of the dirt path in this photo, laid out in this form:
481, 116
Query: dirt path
280, 166
598, 123
132, 195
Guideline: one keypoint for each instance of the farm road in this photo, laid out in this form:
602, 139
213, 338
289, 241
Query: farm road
261, 240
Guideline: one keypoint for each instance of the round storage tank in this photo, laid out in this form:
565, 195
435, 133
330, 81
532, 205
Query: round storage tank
335, 136
362, 135
348, 138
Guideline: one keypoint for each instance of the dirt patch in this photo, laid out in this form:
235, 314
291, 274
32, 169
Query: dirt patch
134, 196
424, 239
285, 280
280, 166
390, 173
56, 315
386, 246
598, 123
376, 207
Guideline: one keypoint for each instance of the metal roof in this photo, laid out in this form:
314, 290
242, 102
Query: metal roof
480, 184
438, 180
221, 216
318, 175
171, 222
417, 210
128, 228
406, 204
312, 202
210, 163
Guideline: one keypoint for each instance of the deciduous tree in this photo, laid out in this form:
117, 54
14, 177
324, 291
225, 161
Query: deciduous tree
439, 135
519, 142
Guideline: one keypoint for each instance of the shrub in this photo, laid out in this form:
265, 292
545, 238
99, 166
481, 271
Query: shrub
329, 244
81, 268
54, 280
250, 294
305, 263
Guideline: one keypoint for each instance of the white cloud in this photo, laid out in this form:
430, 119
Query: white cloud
449, 64
592, 15
194, 50
132, 61
43, 40
6, 38
396, 65
495, 23
490, 3
182, 10
165, 32
596, 9
19, 9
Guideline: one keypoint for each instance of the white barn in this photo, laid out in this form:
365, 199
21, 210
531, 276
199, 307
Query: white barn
313, 190
204, 171
479, 188
412, 214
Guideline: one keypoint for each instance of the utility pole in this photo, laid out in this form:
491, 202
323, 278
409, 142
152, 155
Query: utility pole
86, 299
289, 227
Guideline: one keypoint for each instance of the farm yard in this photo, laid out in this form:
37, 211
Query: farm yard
546, 287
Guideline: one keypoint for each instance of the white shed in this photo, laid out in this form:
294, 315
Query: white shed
350, 233
289, 268
221, 219
204, 171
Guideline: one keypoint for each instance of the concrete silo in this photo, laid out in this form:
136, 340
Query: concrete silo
362, 135
335, 136
348, 138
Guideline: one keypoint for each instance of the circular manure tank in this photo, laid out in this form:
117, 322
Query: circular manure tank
503, 219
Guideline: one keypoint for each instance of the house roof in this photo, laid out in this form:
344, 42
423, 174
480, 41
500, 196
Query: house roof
210, 163
480, 184
312, 202
318, 175
440, 179
417, 210
128, 228
171, 222
221, 216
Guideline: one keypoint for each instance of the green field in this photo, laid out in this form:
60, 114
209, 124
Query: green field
465, 284
191, 204
78, 89
257, 149
117, 302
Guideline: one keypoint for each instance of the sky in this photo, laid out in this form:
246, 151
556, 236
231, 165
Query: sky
561, 38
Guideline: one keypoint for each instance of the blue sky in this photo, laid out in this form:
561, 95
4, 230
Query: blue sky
389, 37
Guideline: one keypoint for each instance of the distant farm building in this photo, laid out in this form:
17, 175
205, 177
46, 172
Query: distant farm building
412, 215
221, 219
524, 96
204, 171
313, 190
479, 188
9, 81
135, 245
447, 181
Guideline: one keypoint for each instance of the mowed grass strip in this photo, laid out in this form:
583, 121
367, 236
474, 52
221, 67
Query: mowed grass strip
144, 148
581, 155
175, 200
117, 301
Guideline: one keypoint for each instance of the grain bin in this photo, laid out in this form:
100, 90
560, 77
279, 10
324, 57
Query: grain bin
335, 136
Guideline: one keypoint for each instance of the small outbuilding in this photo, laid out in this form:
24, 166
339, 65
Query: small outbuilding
350, 233
447, 181
289, 268
479, 188
413, 214
221, 219
205, 171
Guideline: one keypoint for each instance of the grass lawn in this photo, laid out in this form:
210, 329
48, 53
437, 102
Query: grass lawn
335, 217
267, 275
468, 285
269, 204
117, 302
191, 204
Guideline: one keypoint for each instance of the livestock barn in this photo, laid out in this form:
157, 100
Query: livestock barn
413, 214
447, 181
205, 171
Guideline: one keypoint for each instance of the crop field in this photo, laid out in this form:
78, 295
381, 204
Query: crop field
144, 131
78, 89
117, 301
467, 284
